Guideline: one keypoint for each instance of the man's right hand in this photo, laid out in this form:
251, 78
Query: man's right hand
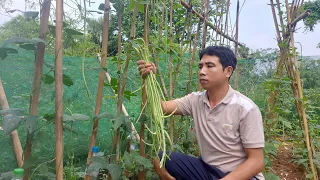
146, 68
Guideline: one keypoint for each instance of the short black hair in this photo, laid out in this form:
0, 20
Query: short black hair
225, 55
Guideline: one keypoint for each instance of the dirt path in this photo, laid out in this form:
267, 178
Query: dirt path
284, 168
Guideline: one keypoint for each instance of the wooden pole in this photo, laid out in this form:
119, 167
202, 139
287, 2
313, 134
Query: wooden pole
171, 68
236, 74
101, 81
120, 93
205, 7
59, 91
296, 85
36, 83
142, 173
16, 144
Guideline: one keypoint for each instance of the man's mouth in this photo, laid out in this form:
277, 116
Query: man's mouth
203, 80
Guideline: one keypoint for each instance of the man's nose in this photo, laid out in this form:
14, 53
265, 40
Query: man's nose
202, 72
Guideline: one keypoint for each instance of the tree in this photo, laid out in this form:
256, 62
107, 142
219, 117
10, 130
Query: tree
314, 18
20, 26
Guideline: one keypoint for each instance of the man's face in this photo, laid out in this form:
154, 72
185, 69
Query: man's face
211, 73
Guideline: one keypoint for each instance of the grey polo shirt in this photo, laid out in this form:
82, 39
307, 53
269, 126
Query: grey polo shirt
226, 129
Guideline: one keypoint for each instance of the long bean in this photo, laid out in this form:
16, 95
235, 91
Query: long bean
153, 108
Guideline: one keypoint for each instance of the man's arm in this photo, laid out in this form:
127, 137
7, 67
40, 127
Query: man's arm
249, 168
169, 107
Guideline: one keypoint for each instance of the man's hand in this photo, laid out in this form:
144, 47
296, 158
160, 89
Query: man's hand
146, 68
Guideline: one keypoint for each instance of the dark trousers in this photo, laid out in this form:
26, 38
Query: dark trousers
184, 167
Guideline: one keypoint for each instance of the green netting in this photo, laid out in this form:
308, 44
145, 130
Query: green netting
16, 72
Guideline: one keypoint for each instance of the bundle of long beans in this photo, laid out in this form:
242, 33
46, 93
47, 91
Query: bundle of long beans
153, 107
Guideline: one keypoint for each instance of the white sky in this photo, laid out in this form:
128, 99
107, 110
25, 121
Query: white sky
256, 27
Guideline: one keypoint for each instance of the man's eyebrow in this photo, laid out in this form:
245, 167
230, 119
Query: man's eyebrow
209, 63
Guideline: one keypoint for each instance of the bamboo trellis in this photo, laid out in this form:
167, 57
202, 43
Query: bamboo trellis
285, 38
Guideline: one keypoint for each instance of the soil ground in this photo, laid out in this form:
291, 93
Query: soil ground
284, 168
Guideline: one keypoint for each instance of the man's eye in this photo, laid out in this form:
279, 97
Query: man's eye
200, 67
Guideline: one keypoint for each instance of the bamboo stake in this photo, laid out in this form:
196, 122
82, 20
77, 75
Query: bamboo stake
142, 175
236, 77
123, 108
170, 69
298, 88
101, 81
164, 89
226, 22
16, 144
36, 83
120, 93
59, 91
207, 22
178, 65
205, 7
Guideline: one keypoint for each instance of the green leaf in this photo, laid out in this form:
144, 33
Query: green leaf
4, 52
30, 123
47, 79
115, 171
7, 175
177, 148
43, 169
127, 161
12, 111
118, 122
80, 117
97, 163
31, 14
286, 124
272, 176
67, 80
127, 124
28, 46
66, 117
142, 161
105, 115
101, 7
73, 32
49, 117
128, 94
142, 118
20, 40
30, 162
10, 123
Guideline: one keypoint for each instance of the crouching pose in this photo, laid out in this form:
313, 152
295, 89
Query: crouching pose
228, 125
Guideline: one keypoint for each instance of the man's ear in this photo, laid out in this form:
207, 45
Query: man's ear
228, 71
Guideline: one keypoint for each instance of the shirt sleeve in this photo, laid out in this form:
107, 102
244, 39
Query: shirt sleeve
185, 104
251, 129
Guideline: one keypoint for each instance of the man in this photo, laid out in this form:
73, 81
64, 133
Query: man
228, 125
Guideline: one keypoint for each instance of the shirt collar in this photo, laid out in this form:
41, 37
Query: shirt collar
225, 100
